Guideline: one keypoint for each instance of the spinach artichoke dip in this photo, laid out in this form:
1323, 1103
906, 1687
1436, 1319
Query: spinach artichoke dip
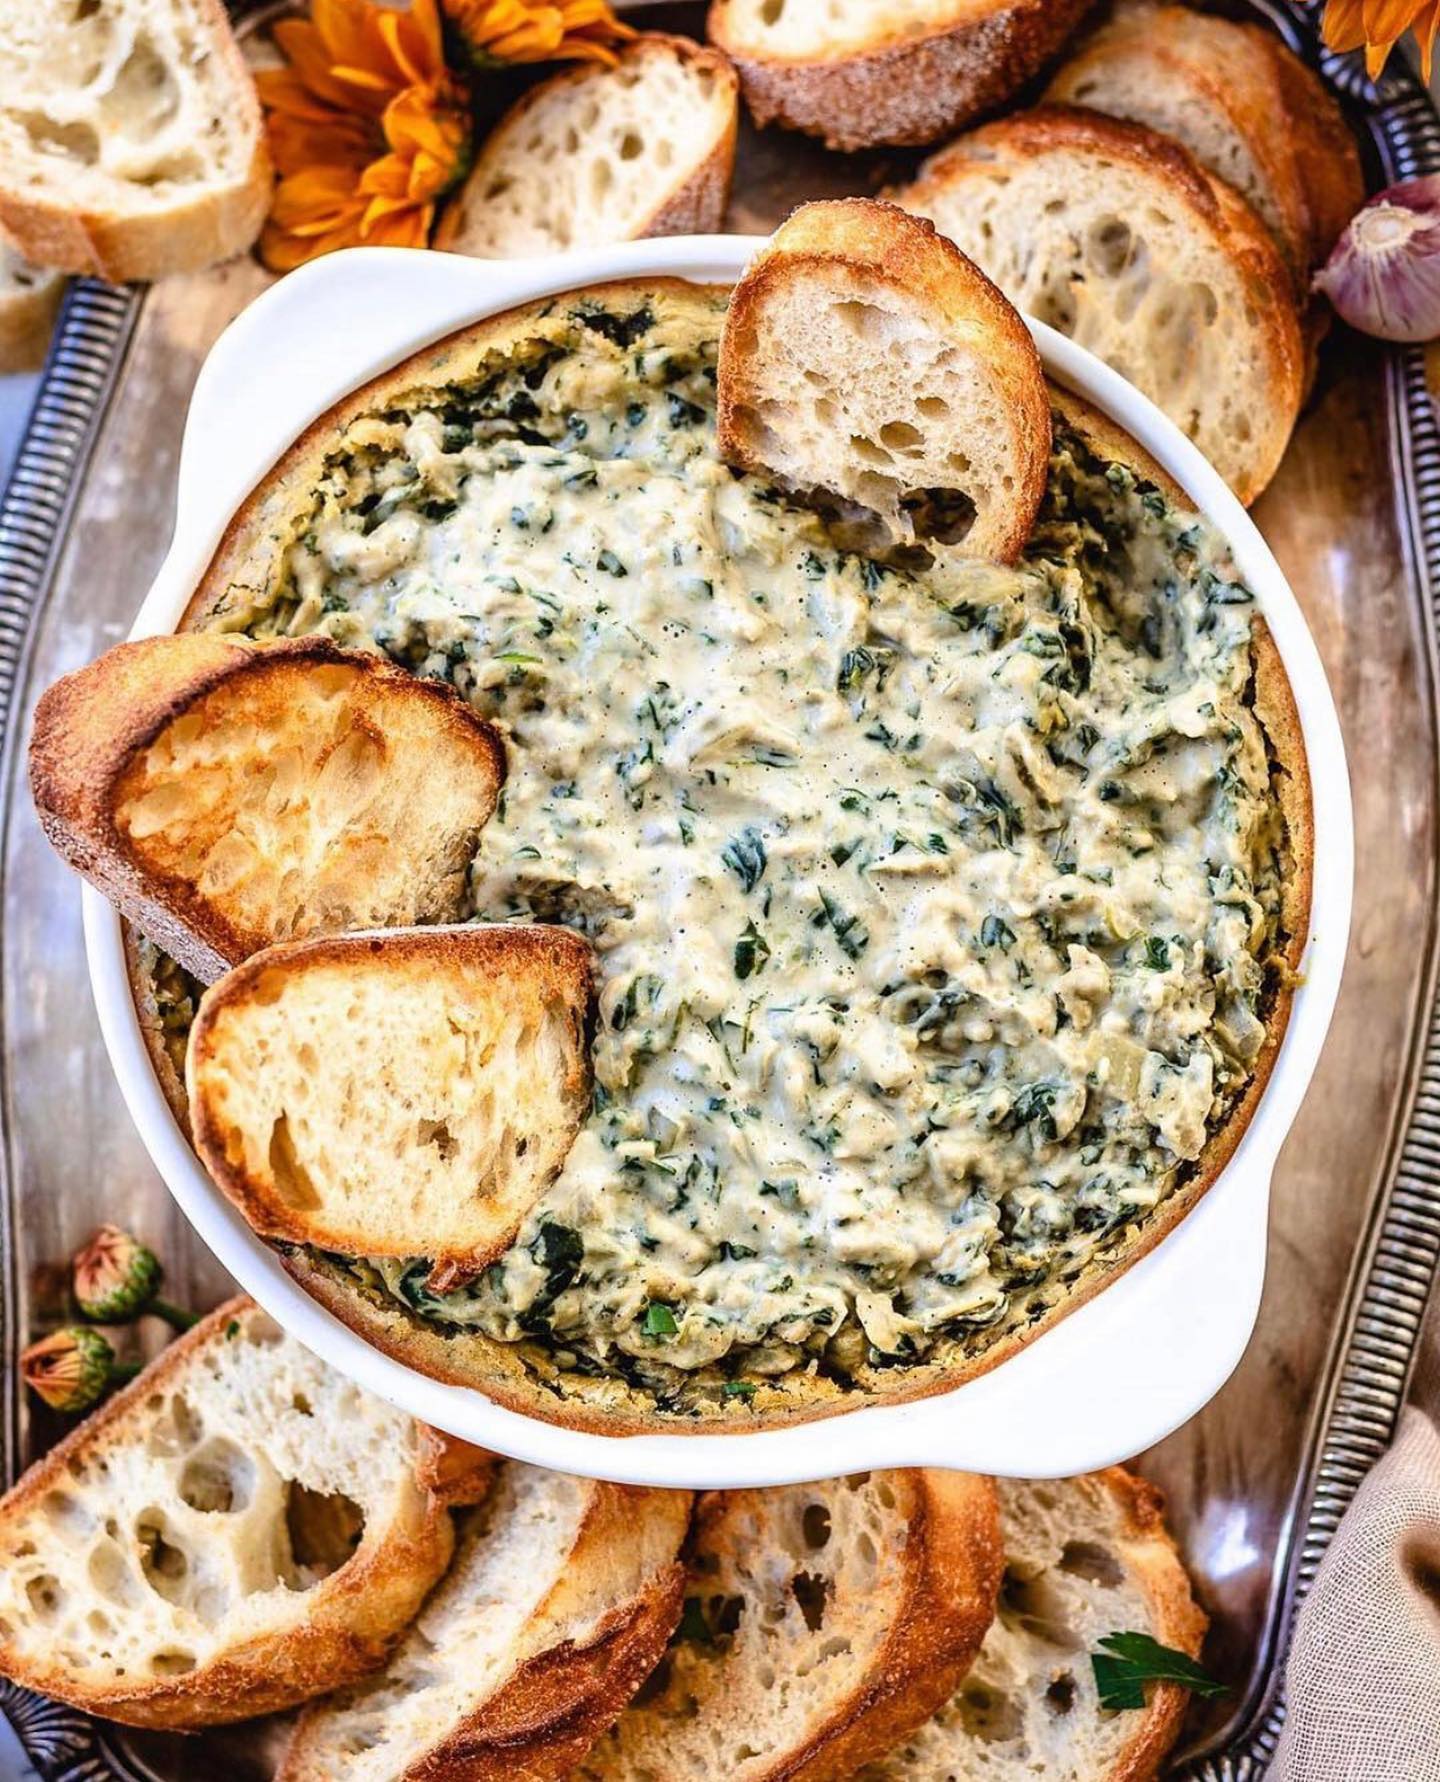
937, 911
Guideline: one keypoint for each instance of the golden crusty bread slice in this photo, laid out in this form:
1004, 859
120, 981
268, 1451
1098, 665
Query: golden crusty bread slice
822, 1624
866, 358
598, 154
131, 141
863, 72
1116, 236
1325, 145
1244, 105
1084, 1558
561, 1597
225, 795
404, 1093
236, 1531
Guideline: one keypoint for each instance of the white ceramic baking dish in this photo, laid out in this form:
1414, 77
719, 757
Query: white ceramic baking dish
1117, 1374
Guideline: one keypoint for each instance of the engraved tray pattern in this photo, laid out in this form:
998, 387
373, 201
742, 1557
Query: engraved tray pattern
1342, 1320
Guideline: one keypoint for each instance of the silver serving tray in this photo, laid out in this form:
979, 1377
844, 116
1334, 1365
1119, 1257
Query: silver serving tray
1355, 1238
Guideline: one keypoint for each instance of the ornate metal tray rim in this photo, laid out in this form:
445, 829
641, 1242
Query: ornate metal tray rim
1367, 1375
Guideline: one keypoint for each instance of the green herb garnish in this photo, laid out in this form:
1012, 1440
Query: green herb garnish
995, 933
849, 930
745, 855
1126, 1662
752, 950
659, 1319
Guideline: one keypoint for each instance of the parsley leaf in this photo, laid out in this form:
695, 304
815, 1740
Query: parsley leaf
659, 1319
1126, 1662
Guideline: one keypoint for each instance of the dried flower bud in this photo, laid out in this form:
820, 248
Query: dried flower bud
70, 1368
115, 1276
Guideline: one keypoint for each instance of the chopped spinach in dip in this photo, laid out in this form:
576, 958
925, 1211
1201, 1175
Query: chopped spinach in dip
931, 909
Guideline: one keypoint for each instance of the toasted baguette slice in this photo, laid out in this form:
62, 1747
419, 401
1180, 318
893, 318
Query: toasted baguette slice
599, 154
224, 795
397, 1094
560, 1600
864, 357
238, 1530
1116, 236
1084, 1558
1244, 105
1325, 145
822, 1623
131, 142
29, 297
863, 72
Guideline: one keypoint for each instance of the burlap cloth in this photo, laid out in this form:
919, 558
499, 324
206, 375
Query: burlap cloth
1363, 1679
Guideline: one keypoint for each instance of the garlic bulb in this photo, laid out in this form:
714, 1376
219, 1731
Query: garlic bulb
1384, 274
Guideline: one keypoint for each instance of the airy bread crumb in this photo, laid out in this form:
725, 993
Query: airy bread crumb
411, 1092
237, 1531
1116, 236
131, 142
598, 154
865, 358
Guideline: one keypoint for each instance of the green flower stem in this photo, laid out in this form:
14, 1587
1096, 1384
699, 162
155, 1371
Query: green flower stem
175, 1316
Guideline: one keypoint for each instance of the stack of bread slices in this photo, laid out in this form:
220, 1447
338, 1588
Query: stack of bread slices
1165, 204
240, 1531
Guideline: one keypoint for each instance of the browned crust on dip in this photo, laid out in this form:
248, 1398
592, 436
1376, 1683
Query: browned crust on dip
527, 1379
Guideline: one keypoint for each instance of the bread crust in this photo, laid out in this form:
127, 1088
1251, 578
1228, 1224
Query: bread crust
1304, 154
188, 236
250, 550
559, 1700
872, 242
902, 89
93, 727
457, 1472
354, 1616
1325, 147
955, 1561
123, 249
552, 963
1217, 209
693, 206
1153, 1557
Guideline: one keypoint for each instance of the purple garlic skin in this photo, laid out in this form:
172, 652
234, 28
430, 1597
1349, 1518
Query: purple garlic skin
1383, 276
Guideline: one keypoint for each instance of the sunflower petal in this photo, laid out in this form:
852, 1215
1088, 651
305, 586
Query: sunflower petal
1344, 25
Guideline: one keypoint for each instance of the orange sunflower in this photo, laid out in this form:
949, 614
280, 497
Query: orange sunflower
495, 31
1376, 26
367, 127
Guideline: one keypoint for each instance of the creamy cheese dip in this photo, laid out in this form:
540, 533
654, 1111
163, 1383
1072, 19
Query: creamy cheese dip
930, 910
